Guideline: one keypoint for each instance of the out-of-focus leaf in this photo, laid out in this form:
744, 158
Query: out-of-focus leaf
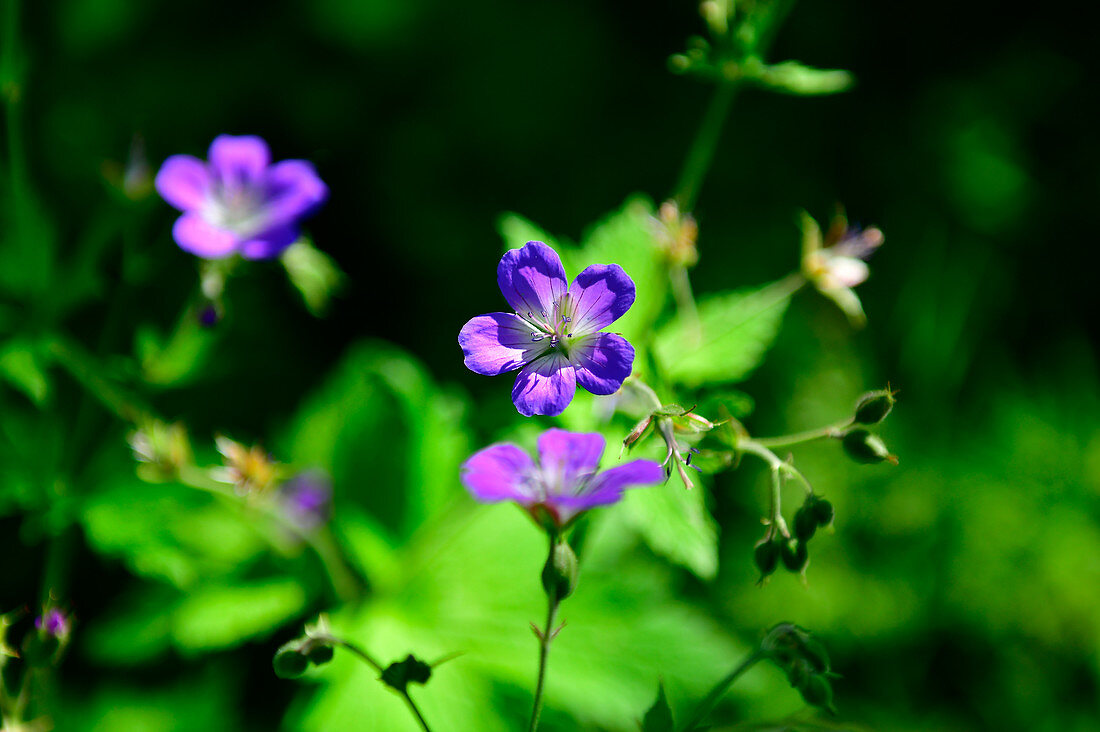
136, 629
177, 361
659, 716
472, 585
22, 365
734, 332
517, 231
313, 273
390, 439
168, 531
674, 521
222, 616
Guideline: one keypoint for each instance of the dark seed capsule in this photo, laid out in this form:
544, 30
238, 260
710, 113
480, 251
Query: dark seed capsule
795, 555
320, 655
805, 521
817, 691
766, 556
873, 407
289, 663
865, 447
823, 512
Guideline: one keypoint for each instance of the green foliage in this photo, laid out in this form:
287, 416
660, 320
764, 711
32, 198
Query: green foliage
314, 274
22, 365
658, 718
226, 615
676, 524
731, 338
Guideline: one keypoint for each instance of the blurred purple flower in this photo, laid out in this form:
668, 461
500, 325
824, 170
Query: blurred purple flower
553, 336
306, 499
53, 622
564, 482
238, 202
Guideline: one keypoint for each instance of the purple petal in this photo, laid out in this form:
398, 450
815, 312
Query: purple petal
603, 361
183, 181
608, 486
532, 279
293, 190
566, 458
498, 342
545, 386
599, 296
270, 243
239, 161
195, 235
499, 473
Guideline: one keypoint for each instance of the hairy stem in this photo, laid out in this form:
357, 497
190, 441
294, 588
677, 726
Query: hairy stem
701, 154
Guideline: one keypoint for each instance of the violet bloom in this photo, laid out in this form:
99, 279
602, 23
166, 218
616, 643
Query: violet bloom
238, 202
553, 336
306, 499
564, 482
53, 623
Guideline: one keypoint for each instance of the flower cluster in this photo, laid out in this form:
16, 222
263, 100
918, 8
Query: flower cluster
238, 202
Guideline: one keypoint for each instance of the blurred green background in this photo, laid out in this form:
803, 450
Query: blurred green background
960, 589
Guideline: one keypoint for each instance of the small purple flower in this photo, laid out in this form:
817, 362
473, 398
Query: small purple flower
238, 202
564, 482
306, 499
553, 336
53, 622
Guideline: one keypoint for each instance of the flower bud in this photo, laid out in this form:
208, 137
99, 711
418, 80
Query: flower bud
823, 512
559, 575
818, 692
289, 661
795, 555
319, 654
873, 407
766, 556
865, 447
805, 521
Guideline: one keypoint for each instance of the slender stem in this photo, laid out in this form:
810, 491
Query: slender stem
544, 652
416, 712
707, 705
701, 154
782, 441
685, 300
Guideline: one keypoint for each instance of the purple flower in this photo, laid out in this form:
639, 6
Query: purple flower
563, 483
306, 499
238, 202
53, 622
553, 336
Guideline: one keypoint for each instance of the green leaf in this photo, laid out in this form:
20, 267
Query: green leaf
517, 231
659, 716
22, 366
313, 273
222, 616
734, 332
675, 523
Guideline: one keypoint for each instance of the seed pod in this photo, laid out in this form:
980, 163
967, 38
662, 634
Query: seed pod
320, 654
823, 512
873, 407
766, 556
865, 447
795, 555
805, 521
817, 691
289, 661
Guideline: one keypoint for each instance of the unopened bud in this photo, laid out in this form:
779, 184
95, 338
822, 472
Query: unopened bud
400, 674
805, 522
559, 575
823, 512
289, 661
766, 556
866, 447
818, 692
795, 555
320, 654
873, 407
